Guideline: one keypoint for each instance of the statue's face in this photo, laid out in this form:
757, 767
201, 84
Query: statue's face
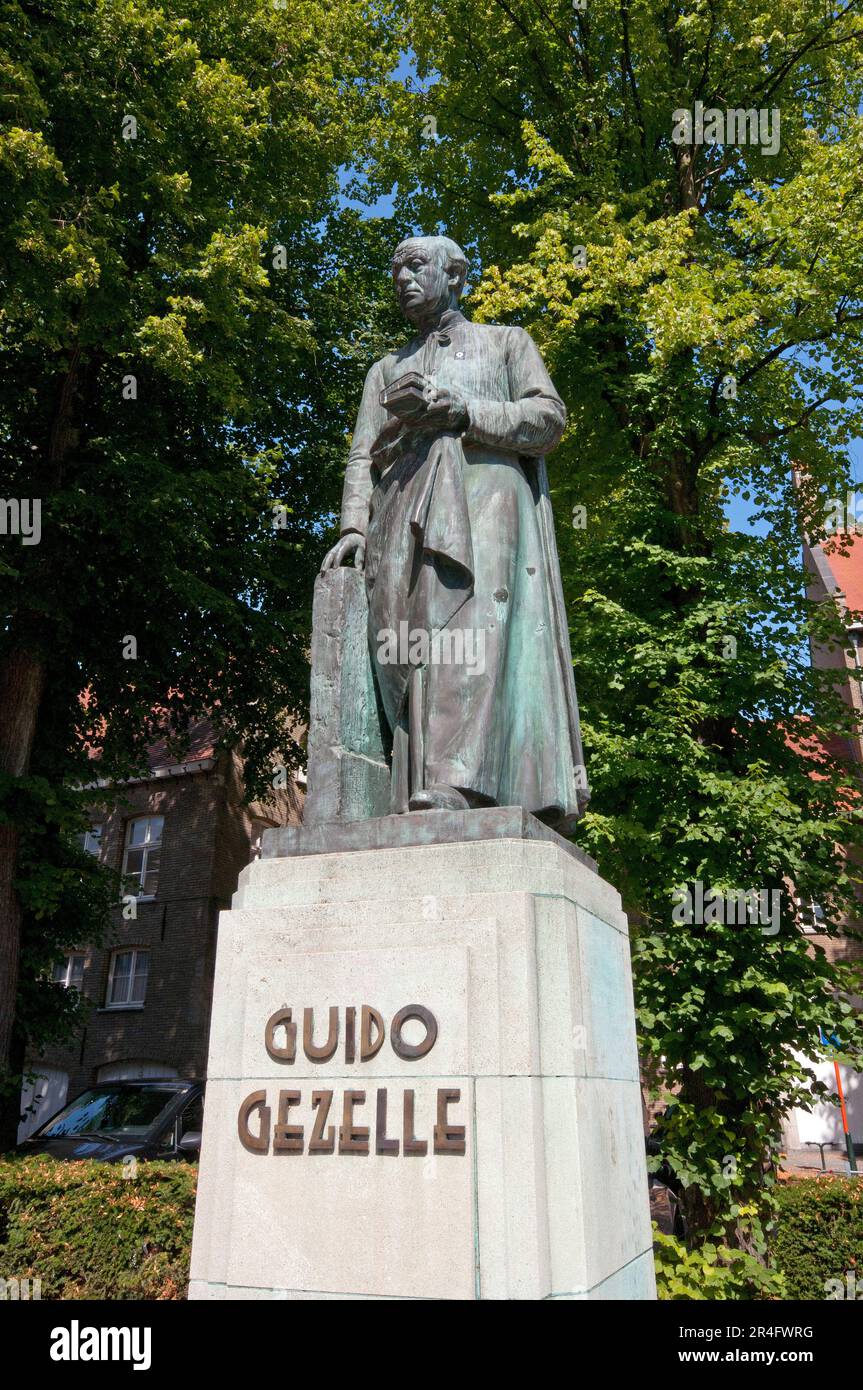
422, 282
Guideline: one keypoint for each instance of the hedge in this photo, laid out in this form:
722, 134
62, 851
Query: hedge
816, 1251
97, 1230
819, 1237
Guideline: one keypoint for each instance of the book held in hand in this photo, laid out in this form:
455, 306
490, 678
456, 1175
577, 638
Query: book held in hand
405, 397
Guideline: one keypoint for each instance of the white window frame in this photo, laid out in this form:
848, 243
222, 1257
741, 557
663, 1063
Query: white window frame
810, 917
91, 840
67, 981
147, 847
136, 953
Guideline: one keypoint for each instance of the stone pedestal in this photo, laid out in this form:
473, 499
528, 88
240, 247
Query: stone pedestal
491, 1145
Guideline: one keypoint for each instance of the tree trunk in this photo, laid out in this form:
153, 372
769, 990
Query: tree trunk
22, 683
10, 1100
22, 679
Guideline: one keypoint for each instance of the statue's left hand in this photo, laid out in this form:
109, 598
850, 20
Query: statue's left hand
445, 408
351, 543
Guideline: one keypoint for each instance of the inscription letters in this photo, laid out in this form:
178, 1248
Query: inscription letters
259, 1135
280, 1034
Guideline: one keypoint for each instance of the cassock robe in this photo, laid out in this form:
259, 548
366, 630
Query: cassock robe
459, 535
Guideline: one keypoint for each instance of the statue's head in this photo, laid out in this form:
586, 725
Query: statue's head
428, 274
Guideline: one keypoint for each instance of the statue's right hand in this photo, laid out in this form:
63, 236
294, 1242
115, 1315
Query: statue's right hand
351, 544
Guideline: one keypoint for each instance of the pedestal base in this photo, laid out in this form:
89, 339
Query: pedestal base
505, 1160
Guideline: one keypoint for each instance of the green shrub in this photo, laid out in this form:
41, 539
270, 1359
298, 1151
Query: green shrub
819, 1236
96, 1230
710, 1272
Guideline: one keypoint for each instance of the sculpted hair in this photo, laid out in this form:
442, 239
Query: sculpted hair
455, 260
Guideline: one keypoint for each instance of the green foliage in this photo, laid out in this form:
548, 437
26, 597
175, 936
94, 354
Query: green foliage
710, 1272
703, 719
178, 359
66, 896
156, 257
87, 1231
819, 1238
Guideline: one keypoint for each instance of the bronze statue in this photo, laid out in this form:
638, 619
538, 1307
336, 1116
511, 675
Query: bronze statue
446, 508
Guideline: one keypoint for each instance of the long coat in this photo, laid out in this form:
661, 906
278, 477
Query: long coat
460, 541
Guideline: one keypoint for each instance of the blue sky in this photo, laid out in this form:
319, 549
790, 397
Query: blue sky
739, 511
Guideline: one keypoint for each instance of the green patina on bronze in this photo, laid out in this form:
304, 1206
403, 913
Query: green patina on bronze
445, 681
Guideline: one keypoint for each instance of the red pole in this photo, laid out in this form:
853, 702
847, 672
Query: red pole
852, 1157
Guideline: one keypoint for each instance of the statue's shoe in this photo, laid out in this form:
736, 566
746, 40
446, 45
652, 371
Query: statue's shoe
439, 798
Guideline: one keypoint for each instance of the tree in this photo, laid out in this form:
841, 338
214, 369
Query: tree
170, 350
700, 306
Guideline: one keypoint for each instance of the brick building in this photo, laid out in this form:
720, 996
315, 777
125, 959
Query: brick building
836, 578
181, 837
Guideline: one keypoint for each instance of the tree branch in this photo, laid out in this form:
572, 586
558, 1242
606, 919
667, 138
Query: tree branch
629, 76
791, 62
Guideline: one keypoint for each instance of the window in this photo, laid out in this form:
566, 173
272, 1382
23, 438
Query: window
42, 1097
189, 1122
258, 828
124, 1112
69, 971
127, 979
143, 852
810, 916
192, 1118
91, 840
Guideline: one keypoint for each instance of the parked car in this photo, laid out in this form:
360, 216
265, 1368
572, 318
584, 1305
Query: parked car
665, 1176
122, 1119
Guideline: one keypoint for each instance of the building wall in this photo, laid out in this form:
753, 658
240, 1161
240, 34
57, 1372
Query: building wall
837, 579
822, 1124
207, 839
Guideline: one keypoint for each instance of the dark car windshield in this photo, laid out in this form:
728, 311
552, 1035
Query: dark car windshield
117, 1112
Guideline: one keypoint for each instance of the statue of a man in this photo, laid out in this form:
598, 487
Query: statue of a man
446, 507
